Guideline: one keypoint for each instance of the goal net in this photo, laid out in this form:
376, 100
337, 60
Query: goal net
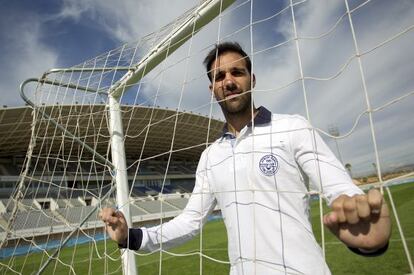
126, 130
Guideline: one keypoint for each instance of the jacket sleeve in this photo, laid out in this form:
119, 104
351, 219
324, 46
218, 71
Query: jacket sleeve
189, 222
326, 174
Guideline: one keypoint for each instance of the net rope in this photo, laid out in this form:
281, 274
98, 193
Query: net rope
63, 183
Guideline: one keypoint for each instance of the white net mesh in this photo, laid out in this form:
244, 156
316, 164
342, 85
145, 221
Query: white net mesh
339, 64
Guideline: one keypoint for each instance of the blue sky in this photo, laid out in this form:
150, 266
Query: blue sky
40, 35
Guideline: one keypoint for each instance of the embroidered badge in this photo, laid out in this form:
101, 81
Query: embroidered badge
269, 165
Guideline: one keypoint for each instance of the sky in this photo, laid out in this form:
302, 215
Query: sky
39, 35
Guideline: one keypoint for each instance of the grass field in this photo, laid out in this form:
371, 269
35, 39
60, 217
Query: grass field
339, 258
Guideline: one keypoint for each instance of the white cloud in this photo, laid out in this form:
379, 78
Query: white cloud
74, 9
25, 56
125, 20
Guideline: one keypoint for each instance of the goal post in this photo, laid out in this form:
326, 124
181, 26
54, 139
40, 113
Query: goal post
121, 178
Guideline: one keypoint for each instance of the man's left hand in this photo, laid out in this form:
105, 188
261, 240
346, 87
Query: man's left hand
360, 221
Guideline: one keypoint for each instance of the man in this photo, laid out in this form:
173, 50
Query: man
259, 173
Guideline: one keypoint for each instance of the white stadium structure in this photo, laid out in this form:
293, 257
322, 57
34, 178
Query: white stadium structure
59, 194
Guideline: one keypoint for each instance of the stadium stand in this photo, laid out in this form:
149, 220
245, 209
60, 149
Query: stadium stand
136, 211
178, 202
33, 219
59, 193
155, 206
9, 204
75, 202
75, 214
61, 203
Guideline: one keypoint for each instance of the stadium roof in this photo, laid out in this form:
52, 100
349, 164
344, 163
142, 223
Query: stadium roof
90, 122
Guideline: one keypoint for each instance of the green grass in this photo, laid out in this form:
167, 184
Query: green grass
342, 261
339, 258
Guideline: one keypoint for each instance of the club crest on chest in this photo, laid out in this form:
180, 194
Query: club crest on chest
269, 165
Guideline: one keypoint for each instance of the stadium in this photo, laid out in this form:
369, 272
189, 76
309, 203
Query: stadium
126, 130
59, 194
75, 193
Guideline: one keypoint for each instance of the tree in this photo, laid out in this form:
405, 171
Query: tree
348, 167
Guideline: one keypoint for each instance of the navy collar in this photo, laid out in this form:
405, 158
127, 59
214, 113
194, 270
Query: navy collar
264, 116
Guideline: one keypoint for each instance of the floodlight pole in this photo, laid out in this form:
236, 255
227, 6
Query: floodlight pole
120, 173
334, 131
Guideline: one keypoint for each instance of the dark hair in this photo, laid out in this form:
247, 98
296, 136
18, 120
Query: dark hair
222, 48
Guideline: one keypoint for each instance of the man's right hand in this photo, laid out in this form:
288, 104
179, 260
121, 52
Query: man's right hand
115, 224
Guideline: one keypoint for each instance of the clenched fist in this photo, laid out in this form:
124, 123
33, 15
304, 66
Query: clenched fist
360, 221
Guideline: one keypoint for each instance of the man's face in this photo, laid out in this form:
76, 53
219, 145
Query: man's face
231, 83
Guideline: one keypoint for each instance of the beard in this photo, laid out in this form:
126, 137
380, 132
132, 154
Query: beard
239, 105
